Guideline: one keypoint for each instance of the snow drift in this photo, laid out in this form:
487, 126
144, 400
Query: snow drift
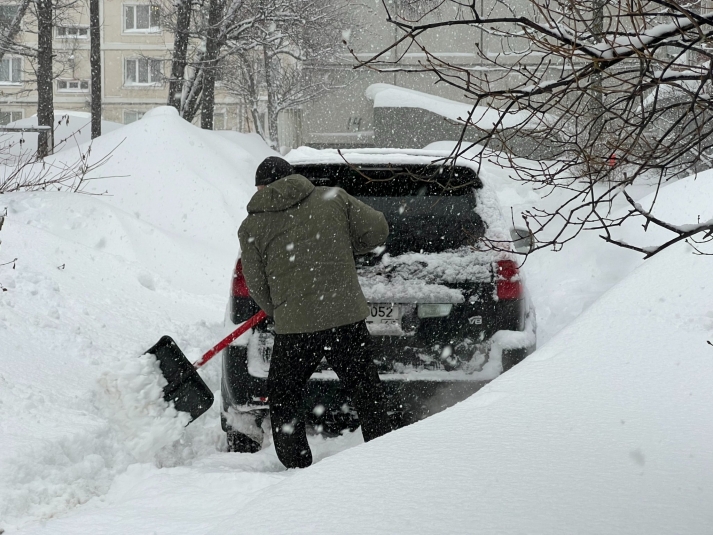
607, 429
98, 279
132, 399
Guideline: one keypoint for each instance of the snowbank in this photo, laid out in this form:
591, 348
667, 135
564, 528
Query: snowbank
132, 398
680, 202
607, 429
170, 196
98, 279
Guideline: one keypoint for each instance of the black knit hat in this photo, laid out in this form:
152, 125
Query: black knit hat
272, 169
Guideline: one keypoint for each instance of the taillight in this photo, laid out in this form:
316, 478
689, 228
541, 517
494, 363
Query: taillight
508, 280
240, 287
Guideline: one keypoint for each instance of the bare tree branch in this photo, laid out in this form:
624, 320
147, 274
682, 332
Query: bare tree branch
592, 98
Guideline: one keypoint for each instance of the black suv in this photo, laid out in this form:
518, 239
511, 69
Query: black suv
447, 314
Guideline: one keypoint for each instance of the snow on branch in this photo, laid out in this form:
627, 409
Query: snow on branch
625, 87
682, 232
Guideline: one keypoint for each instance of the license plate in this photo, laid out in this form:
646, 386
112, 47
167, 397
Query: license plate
381, 314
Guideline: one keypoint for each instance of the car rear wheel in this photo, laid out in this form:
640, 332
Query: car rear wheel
239, 443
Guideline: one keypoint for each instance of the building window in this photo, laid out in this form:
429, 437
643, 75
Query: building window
7, 117
72, 32
72, 85
145, 71
219, 121
142, 18
7, 15
11, 70
131, 116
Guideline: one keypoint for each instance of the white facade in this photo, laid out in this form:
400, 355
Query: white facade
136, 54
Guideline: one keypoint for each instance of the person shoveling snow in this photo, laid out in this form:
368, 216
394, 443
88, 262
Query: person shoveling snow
321, 316
298, 244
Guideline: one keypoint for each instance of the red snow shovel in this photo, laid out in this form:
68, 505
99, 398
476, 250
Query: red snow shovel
185, 387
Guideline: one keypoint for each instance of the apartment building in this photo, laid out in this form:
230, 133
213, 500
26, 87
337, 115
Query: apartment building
136, 53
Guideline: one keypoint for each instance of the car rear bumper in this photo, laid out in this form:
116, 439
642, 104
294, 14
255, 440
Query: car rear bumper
410, 396
447, 360
326, 404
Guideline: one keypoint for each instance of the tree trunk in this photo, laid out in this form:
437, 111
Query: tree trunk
271, 115
14, 28
45, 102
597, 94
210, 64
259, 130
192, 101
96, 67
180, 51
250, 91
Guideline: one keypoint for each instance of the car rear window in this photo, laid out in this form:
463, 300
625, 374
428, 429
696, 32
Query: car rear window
394, 181
428, 208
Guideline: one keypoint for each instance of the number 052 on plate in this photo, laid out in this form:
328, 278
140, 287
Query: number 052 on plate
384, 314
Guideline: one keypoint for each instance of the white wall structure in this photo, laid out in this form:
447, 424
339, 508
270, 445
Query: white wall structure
136, 60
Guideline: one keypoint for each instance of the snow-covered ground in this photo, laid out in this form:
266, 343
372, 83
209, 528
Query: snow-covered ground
98, 279
605, 429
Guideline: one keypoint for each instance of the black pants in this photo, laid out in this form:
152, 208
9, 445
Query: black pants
295, 357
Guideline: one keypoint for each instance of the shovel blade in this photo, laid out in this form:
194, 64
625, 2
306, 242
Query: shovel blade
185, 387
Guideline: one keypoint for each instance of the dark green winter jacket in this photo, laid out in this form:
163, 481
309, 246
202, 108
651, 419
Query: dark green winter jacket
298, 245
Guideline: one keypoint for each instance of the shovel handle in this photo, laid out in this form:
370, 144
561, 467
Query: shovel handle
225, 342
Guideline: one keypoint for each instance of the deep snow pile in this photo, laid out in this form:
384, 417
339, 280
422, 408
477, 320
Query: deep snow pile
98, 279
614, 407
607, 429
134, 405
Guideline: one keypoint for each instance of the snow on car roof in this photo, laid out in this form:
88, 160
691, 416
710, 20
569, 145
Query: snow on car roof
308, 155
484, 117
